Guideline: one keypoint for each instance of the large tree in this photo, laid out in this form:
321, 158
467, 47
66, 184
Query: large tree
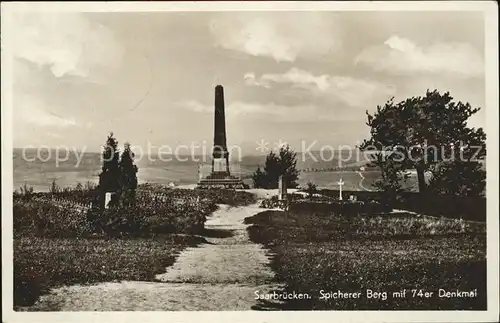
423, 133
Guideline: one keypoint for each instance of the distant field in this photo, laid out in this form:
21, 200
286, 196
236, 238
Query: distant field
68, 173
314, 253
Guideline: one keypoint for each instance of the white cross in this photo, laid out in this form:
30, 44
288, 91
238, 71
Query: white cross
340, 184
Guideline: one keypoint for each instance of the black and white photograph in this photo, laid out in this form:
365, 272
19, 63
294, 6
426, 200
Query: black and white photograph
261, 161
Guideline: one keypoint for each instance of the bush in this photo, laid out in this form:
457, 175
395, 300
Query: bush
274, 202
217, 196
223, 196
155, 209
450, 206
336, 208
67, 214
145, 219
44, 218
311, 189
326, 205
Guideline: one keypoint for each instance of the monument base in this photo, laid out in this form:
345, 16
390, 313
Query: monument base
221, 180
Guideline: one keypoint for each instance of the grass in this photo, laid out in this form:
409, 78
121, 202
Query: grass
314, 252
57, 242
44, 263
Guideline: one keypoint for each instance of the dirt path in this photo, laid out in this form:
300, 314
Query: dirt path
221, 275
361, 182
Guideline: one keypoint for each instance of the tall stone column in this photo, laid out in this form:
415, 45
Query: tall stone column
220, 176
220, 161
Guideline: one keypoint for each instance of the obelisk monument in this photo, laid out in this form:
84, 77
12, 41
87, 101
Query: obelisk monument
220, 161
220, 177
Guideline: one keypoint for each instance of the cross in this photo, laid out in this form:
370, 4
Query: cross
340, 184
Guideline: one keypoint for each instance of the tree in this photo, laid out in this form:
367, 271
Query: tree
54, 188
391, 177
271, 171
311, 189
259, 178
110, 177
461, 178
288, 166
128, 171
282, 164
422, 132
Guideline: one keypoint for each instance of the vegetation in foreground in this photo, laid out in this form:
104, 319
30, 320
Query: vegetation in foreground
59, 241
218, 196
314, 252
44, 263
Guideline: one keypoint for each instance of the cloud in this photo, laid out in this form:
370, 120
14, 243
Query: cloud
269, 110
31, 111
251, 80
241, 110
39, 117
195, 106
283, 36
68, 43
352, 91
402, 56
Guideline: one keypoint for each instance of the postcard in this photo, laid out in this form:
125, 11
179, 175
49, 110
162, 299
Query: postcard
250, 161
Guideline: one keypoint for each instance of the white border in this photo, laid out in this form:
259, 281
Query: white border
490, 10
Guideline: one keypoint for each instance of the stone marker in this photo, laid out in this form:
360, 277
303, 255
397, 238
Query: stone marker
107, 199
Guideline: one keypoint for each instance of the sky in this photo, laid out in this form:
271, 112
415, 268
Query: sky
298, 77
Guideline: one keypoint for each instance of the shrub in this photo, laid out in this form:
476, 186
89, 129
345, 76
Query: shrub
326, 205
145, 219
311, 189
67, 214
284, 163
44, 218
25, 192
274, 202
217, 196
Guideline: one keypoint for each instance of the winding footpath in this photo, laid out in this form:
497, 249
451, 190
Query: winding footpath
223, 274
361, 182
